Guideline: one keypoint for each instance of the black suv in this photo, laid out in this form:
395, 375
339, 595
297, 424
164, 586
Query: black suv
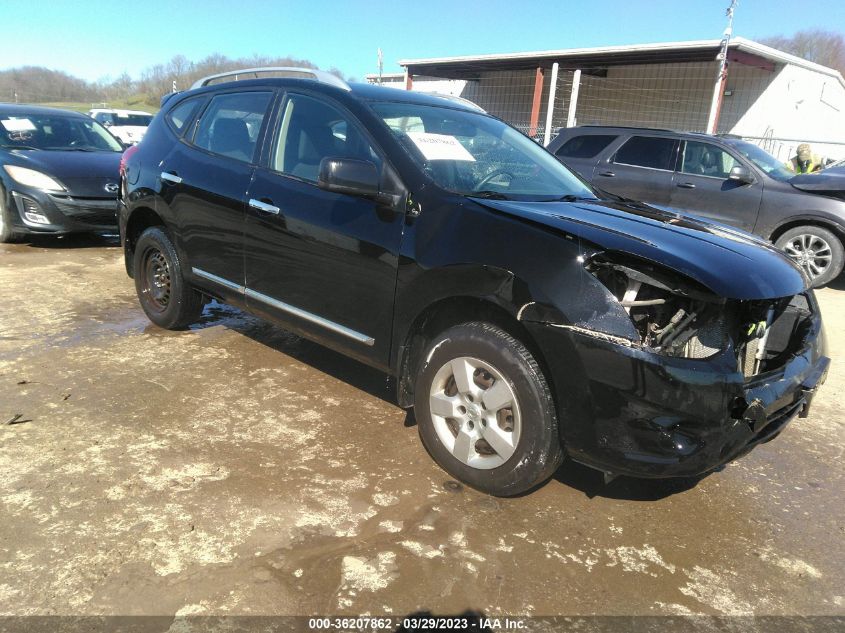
523, 316
720, 178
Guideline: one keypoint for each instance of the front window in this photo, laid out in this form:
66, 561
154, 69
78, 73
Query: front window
476, 155
311, 130
55, 132
704, 159
765, 161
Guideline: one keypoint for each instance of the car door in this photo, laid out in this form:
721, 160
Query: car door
703, 187
204, 181
324, 263
641, 169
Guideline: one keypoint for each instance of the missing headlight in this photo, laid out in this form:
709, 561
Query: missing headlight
674, 316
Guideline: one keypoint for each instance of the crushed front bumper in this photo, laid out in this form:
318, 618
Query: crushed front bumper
629, 411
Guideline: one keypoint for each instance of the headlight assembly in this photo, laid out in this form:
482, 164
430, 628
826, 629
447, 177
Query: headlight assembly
32, 178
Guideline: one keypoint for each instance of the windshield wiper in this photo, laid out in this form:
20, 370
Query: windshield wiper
489, 194
11, 147
570, 197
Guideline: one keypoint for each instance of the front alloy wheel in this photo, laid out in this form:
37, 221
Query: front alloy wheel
811, 252
816, 249
485, 411
475, 412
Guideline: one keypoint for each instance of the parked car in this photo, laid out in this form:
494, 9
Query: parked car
523, 317
59, 173
128, 126
720, 178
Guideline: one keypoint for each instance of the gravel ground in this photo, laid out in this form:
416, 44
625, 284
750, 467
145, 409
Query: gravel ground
238, 469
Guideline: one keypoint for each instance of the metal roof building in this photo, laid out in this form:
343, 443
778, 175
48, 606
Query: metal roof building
770, 96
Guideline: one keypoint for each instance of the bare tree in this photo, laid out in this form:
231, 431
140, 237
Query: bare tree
36, 84
816, 45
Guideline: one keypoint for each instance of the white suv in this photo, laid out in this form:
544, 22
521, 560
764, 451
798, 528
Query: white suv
127, 125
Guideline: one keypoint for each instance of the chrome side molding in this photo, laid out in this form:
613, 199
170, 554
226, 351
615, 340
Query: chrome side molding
231, 285
337, 328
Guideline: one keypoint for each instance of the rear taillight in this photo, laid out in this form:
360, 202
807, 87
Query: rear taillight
127, 154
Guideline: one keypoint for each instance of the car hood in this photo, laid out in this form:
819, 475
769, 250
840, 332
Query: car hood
828, 182
83, 173
731, 263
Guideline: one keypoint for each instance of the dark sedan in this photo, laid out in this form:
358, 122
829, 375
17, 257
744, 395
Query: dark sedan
59, 173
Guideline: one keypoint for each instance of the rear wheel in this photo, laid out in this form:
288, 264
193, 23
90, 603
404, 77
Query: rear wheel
167, 299
485, 412
817, 250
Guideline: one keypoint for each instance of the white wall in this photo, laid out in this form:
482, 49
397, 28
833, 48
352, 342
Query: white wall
798, 104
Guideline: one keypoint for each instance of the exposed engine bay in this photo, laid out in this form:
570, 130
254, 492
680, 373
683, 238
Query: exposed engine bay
677, 317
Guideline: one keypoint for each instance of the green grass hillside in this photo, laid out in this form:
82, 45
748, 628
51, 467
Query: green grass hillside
135, 102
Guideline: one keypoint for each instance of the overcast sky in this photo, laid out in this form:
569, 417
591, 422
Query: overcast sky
103, 39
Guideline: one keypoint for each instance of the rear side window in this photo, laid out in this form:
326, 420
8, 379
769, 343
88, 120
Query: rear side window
648, 151
586, 146
179, 116
231, 124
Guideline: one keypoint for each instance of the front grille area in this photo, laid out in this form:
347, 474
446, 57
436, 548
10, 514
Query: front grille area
771, 349
88, 210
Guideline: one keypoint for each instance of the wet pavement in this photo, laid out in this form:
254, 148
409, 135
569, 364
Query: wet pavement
237, 469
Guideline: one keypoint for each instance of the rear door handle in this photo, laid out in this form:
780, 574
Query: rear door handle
686, 185
608, 174
165, 175
264, 206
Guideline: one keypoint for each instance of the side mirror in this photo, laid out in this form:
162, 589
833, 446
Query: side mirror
741, 173
107, 124
350, 176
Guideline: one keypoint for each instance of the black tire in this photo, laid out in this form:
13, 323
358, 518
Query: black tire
8, 234
166, 297
826, 255
537, 451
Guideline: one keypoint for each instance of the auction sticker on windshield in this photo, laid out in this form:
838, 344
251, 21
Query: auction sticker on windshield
440, 146
18, 125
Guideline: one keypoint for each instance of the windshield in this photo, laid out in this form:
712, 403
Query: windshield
765, 161
476, 155
55, 132
119, 119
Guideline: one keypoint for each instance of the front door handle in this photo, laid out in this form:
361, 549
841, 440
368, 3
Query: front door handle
686, 185
166, 175
607, 174
264, 206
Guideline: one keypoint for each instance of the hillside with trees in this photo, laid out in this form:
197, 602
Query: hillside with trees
34, 84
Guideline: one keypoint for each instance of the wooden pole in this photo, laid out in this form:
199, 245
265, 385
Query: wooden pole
535, 106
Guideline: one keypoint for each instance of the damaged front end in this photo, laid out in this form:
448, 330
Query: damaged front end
679, 318
704, 379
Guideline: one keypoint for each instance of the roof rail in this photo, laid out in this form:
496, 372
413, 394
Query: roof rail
289, 71
461, 100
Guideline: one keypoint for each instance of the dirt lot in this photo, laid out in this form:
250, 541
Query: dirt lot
237, 469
